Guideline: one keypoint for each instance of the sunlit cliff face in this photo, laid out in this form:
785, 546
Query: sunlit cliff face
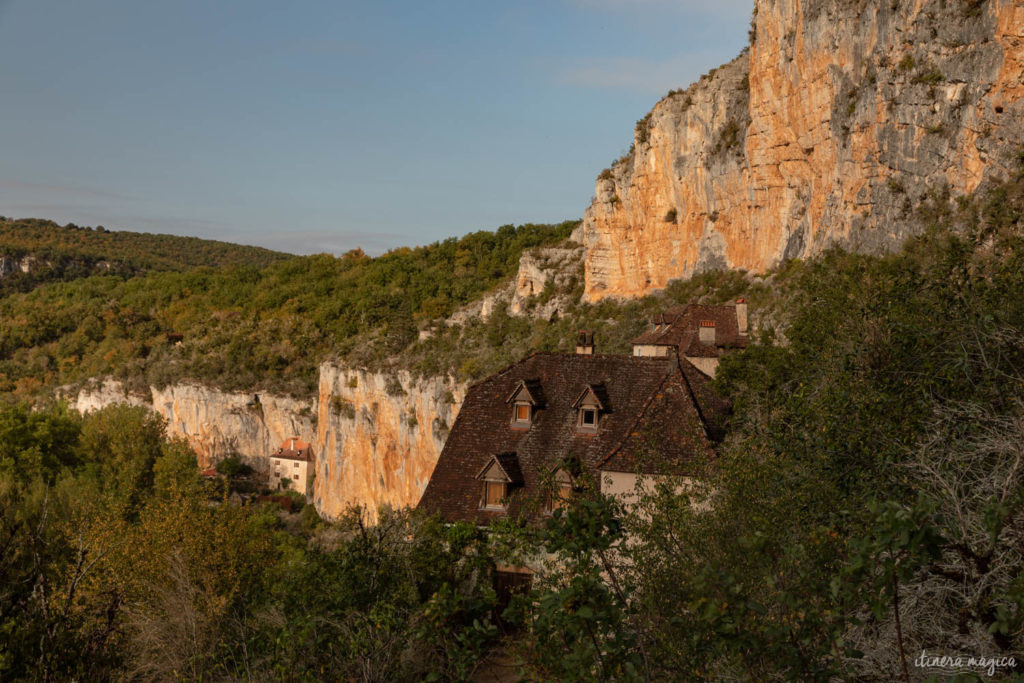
379, 437
830, 130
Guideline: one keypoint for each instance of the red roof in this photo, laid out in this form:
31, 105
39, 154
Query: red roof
294, 449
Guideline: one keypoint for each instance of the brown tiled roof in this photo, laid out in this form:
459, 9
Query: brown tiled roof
679, 327
293, 449
649, 398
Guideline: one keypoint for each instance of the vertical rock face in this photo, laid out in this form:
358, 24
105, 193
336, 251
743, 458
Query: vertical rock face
829, 130
217, 424
104, 393
378, 437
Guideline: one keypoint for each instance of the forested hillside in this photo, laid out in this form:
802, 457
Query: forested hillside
247, 327
52, 252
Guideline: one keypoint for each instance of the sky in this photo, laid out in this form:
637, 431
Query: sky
319, 126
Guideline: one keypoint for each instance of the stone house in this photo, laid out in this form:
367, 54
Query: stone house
700, 334
528, 435
292, 462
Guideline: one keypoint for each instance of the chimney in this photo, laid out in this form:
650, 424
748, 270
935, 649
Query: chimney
294, 439
741, 315
707, 332
585, 342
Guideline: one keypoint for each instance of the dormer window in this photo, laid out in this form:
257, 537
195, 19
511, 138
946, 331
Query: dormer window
494, 495
588, 417
561, 492
590, 405
499, 474
524, 399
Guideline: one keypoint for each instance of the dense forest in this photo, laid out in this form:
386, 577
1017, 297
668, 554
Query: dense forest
866, 505
69, 252
249, 327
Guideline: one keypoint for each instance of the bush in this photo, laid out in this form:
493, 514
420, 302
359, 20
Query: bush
233, 466
343, 407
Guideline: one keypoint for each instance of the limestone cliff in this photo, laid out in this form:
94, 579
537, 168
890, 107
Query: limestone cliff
28, 264
376, 436
379, 436
102, 393
828, 130
215, 423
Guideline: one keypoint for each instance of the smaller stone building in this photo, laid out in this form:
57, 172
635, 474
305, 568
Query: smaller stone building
291, 466
700, 334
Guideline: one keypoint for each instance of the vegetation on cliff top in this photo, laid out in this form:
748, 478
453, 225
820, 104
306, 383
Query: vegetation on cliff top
244, 327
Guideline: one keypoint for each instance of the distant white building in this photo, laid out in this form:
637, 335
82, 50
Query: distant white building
292, 463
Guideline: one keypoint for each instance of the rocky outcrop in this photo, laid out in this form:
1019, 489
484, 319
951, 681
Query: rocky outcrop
102, 393
829, 130
379, 436
10, 265
545, 283
544, 278
483, 307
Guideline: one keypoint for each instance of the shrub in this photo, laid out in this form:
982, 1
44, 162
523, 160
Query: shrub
728, 137
643, 129
929, 77
232, 466
393, 386
343, 407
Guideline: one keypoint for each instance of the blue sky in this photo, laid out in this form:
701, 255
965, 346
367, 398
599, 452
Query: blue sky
321, 126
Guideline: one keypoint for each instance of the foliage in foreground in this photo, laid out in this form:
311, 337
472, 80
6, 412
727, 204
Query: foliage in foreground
118, 561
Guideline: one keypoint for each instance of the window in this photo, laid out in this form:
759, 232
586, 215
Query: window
295, 477
521, 414
587, 420
494, 494
561, 492
295, 465
558, 499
